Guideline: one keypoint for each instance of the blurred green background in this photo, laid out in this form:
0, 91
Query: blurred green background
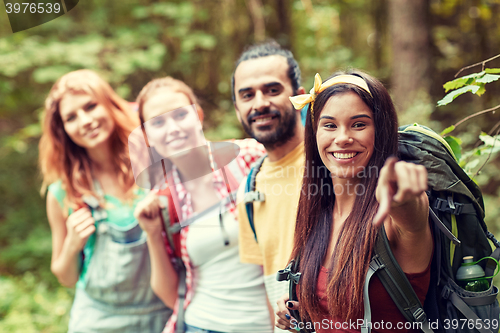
414, 46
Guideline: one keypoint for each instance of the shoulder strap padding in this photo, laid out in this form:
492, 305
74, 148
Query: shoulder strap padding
395, 281
249, 188
170, 230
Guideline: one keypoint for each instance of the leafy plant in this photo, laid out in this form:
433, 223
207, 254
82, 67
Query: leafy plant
475, 83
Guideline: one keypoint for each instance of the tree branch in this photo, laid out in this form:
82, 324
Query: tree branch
479, 63
494, 128
477, 114
489, 155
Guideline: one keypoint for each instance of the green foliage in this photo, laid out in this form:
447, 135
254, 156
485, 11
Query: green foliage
455, 144
492, 70
447, 130
470, 160
474, 83
460, 82
454, 94
24, 233
27, 305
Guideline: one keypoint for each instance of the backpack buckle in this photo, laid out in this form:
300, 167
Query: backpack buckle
376, 263
446, 292
283, 274
419, 315
175, 228
254, 196
287, 274
448, 206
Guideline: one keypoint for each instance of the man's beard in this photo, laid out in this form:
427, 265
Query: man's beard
283, 133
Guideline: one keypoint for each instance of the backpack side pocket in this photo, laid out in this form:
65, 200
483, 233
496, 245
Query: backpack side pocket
468, 311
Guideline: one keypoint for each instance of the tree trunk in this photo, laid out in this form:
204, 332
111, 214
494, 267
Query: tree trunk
410, 28
379, 17
256, 12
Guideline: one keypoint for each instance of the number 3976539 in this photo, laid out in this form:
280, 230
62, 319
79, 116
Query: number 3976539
31, 7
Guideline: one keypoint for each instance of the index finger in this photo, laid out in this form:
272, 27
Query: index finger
388, 170
385, 178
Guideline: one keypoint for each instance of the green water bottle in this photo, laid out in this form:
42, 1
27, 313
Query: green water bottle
470, 276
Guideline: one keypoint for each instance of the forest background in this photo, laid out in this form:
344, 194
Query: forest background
413, 46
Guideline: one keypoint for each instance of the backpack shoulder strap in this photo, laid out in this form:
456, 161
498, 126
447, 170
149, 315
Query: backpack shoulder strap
98, 212
395, 282
251, 194
171, 229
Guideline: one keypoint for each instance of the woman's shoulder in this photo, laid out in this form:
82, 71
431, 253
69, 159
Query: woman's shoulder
57, 190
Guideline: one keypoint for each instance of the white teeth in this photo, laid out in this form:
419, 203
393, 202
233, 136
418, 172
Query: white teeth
261, 120
344, 155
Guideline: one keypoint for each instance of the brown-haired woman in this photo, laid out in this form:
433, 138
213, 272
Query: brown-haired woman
85, 163
222, 294
351, 134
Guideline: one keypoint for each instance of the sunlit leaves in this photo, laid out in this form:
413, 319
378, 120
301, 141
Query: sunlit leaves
490, 141
455, 144
492, 70
487, 78
447, 130
472, 164
202, 40
454, 94
474, 83
461, 81
129, 51
50, 73
477, 156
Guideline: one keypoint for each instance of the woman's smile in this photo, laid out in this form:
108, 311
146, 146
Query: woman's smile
345, 134
86, 122
172, 124
177, 142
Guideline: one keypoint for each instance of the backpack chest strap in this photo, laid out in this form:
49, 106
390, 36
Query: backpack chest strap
451, 207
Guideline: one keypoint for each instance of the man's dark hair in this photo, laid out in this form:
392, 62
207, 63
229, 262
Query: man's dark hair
266, 49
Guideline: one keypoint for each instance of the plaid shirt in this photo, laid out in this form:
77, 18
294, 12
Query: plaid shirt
250, 151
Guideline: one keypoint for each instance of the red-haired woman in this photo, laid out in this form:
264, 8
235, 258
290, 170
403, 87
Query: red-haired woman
351, 134
223, 295
85, 163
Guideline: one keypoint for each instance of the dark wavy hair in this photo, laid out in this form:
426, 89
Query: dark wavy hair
353, 249
267, 49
